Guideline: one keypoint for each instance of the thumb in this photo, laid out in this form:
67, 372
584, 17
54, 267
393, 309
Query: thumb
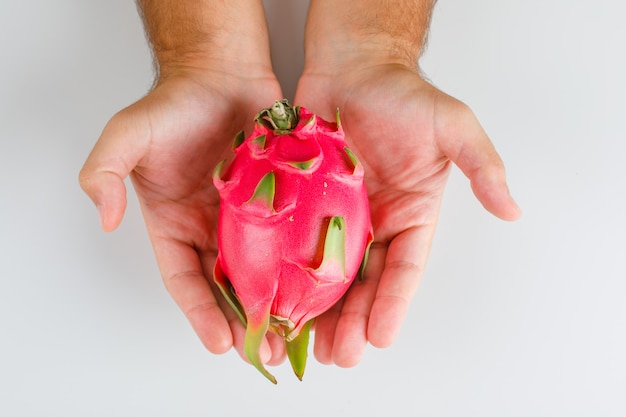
114, 156
463, 140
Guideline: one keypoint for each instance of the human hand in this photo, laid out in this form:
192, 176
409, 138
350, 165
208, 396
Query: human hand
405, 132
169, 142
213, 75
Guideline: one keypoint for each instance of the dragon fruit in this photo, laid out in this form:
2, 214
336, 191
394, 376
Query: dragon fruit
294, 227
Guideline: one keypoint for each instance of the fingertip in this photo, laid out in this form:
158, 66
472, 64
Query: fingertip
491, 189
383, 338
218, 343
277, 349
322, 351
324, 331
385, 322
108, 192
513, 212
112, 203
349, 355
350, 342
212, 328
110, 215
266, 351
463, 140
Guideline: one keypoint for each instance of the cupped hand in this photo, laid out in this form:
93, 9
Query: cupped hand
169, 142
406, 133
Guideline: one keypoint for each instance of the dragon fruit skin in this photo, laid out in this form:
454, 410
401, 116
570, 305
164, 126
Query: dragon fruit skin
294, 227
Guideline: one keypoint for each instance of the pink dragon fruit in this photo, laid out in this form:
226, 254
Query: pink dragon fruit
294, 227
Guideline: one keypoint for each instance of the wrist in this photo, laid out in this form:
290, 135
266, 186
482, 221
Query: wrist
347, 54
213, 35
343, 33
217, 56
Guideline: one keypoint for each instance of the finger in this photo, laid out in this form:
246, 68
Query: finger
184, 279
404, 266
276, 344
461, 137
351, 334
325, 326
114, 156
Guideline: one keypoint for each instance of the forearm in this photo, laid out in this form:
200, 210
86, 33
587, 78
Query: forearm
341, 30
201, 32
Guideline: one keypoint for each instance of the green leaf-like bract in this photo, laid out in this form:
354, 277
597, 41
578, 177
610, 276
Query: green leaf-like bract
260, 141
335, 246
352, 157
297, 350
239, 139
265, 190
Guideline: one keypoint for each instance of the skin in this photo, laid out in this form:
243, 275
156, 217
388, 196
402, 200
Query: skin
214, 74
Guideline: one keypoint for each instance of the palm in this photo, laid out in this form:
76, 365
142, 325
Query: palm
191, 130
400, 127
393, 135
173, 178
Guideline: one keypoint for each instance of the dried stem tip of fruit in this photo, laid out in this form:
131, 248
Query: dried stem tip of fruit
281, 117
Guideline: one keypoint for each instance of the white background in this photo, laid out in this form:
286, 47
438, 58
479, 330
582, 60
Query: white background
512, 319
